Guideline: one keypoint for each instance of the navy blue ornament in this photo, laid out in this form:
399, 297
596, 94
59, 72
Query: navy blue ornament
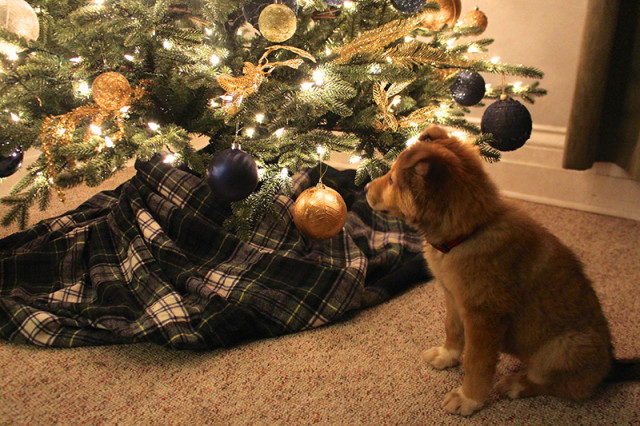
408, 6
468, 88
253, 9
510, 123
233, 174
11, 163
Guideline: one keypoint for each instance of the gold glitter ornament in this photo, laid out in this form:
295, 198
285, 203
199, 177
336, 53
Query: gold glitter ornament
111, 91
319, 212
277, 23
475, 18
447, 15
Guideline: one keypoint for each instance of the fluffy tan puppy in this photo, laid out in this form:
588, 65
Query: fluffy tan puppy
510, 285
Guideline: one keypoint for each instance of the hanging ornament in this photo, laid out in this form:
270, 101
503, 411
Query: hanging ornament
238, 88
468, 88
447, 15
17, 17
475, 18
111, 91
277, 23
510, 123
233, 174
319, 212
11, 163
253, 9
408, 6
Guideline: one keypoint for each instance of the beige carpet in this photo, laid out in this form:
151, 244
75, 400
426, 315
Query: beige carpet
364, 370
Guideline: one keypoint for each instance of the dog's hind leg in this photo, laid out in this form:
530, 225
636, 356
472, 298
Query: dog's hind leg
570, 366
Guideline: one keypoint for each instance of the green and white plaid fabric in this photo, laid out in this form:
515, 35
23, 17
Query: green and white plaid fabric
150, 261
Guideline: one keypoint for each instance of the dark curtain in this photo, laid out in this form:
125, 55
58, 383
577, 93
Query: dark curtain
605, 118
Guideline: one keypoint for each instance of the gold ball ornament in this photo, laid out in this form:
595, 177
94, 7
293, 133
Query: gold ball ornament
111, 90
277, 23
18, 17
475, 18
319, 212
447, 15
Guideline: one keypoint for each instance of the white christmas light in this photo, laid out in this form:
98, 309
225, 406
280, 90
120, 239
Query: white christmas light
169, 159
348, 4
215, 60
15, 117
83, 89
128, 57
327, 51
495, 59
250, 132
259, 118
154, 126
214, 103
396, 100
412, 140
76, 60
460, 135
95, 129
108, 142
279, 132
167, 44
355, 159
208, 31
318, 77
321, 150
408, 38
306, 85
375, 69
517, 86
284, 173
474, 49
98, 2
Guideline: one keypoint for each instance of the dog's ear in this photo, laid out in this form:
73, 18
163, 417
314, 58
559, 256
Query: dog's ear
421, 167
432, 133
428, 161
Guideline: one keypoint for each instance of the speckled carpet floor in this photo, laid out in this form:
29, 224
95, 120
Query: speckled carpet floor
364, 370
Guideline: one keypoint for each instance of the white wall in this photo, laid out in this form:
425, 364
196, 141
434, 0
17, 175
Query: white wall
545, 34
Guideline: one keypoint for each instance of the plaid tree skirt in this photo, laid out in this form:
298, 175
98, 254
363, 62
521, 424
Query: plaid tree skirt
150, 261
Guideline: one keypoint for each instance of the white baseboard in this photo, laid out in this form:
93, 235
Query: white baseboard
534, 173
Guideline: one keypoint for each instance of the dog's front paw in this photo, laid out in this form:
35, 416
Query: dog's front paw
456, 402
441, 357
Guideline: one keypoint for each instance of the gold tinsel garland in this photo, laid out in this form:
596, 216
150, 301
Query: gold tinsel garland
58, 130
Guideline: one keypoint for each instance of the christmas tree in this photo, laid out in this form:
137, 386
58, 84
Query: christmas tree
95, 83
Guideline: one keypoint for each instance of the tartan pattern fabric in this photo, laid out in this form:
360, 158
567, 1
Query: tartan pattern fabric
151, 262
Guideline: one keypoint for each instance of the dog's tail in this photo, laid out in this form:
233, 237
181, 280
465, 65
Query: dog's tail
624, 371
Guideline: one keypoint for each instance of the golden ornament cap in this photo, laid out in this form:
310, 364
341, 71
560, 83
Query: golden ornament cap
320, 212
277, 22
111, 90
475, 18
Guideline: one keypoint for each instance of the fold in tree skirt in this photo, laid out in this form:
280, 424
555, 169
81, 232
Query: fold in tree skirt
151, 262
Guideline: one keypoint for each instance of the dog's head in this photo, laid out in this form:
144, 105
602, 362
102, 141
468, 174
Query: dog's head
438, 181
